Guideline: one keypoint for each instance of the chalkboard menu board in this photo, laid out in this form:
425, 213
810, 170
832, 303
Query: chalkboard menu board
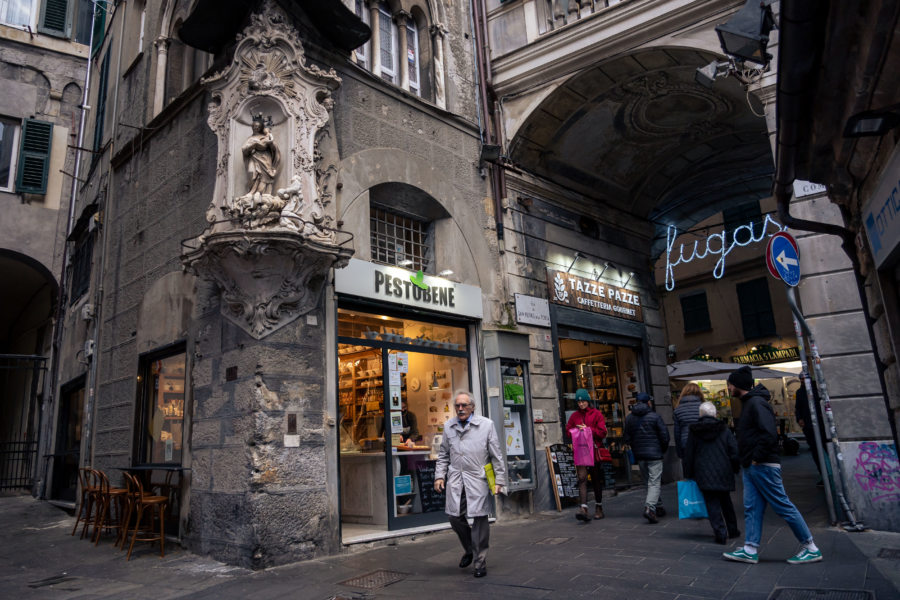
562, 468
608, 471
432, 501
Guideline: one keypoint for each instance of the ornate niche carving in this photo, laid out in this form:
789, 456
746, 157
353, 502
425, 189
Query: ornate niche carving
269, 243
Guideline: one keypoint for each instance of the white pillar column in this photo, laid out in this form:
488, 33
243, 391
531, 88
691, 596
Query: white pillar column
162, 54
438, 33
401, 18
375, 42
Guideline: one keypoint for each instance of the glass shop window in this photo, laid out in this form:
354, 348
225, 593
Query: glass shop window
161, 419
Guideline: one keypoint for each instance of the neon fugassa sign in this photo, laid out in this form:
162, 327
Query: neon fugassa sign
715, 245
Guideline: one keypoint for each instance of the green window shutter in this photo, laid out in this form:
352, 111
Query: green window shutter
34, 157
55, 18
99, 27
100, 112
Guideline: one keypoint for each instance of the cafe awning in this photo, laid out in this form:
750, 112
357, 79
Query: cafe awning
701, 369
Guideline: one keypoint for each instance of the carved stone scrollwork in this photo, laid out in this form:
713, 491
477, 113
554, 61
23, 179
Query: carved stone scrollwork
269, 244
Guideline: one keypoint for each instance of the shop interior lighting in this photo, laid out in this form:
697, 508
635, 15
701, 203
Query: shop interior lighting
574, 260
435, 386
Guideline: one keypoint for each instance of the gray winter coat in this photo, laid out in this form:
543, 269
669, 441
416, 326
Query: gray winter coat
687, 413
461, 460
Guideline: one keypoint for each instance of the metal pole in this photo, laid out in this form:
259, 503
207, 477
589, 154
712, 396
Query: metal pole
834, 446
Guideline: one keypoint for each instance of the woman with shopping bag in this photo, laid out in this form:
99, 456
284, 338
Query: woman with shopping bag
711, 460
587, 428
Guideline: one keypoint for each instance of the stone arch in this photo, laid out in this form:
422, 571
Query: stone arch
28, 306
367, 169
71, 93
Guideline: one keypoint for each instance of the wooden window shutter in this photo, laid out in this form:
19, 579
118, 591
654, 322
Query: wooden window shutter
55, 18
34, 157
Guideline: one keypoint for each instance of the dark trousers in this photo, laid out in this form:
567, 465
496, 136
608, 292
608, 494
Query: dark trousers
721, 513
810, 436
596, 473
474, 539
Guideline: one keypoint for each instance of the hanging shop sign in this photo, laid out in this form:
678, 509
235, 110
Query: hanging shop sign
532, 311
408, 288
587, 294
715, 245
767, 356
881, 214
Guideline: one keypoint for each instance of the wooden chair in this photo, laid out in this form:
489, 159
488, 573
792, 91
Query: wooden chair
84, 512
143, 505
107, 515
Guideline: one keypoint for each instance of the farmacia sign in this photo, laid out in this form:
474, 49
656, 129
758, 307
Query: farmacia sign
715, 244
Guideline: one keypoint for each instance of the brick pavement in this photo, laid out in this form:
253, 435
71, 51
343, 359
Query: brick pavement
620, 557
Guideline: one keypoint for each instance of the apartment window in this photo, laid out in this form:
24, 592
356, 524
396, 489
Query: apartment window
695, 312
160, 436
101, 105
72, 19
34, 157
362, 53
388, 34
744, 214
9, 142
81, 268
756, 308
399, 240
412, 56
17, 13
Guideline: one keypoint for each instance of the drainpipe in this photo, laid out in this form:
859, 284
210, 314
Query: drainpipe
490, 125
799, 60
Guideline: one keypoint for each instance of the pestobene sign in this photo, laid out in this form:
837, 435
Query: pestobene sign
881, 214
401, 286
587, 294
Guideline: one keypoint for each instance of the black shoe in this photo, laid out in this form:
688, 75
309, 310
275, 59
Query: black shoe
650, 516
660, 510
480, 571
465, 561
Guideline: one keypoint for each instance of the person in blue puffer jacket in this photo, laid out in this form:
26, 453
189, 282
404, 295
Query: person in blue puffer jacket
648, 437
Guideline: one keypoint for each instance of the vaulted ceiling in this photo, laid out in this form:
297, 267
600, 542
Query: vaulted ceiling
639, 134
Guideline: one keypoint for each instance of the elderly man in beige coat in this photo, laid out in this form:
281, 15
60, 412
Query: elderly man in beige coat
470, 442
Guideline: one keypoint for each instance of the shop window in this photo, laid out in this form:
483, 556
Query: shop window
17, 13
695, 312
9, 143
756, 308
81, 268
745, 214
160, 420
400, 240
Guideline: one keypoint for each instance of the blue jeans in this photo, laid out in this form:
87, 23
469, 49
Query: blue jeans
762, 486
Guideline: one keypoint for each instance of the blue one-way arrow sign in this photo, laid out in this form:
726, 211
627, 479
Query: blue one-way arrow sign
784, 257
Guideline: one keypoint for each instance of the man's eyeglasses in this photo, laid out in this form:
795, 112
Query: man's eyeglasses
462, 405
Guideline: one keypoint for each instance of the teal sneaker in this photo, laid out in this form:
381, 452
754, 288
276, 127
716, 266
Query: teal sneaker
805, 556
740, 555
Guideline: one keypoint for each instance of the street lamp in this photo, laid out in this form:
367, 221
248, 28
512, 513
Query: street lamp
746, 35
873, 122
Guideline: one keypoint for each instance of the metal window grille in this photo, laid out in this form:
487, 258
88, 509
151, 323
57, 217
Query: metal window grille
399, 240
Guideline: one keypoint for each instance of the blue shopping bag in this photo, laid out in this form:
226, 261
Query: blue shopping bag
691, 504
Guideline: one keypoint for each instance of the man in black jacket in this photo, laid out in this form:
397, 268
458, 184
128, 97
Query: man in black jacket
648, 437
757, 442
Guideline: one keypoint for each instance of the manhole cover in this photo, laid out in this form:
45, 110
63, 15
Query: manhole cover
375, 579
889, 553
820, 594
553, 541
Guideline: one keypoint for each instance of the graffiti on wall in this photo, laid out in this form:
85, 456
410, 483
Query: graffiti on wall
878, 471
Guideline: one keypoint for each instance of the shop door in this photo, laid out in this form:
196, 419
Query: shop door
67, 458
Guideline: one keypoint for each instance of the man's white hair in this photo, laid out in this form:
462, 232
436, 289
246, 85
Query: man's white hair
707, 409
464, 393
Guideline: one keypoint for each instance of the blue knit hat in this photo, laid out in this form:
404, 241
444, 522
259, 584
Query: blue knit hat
582, 394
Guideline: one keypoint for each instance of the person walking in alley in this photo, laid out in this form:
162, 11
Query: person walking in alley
711, 460
686, 414
648, 437
757, 442
470, 443
588, 417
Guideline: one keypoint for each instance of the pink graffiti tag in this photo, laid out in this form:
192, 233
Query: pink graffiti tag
878, 471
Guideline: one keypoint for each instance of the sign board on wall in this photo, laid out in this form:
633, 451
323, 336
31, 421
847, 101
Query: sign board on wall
587, 294
777, 354
386, 283
881, 214
807, 188
532, 311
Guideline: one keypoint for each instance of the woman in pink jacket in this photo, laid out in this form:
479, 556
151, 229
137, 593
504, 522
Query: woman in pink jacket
590, 417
